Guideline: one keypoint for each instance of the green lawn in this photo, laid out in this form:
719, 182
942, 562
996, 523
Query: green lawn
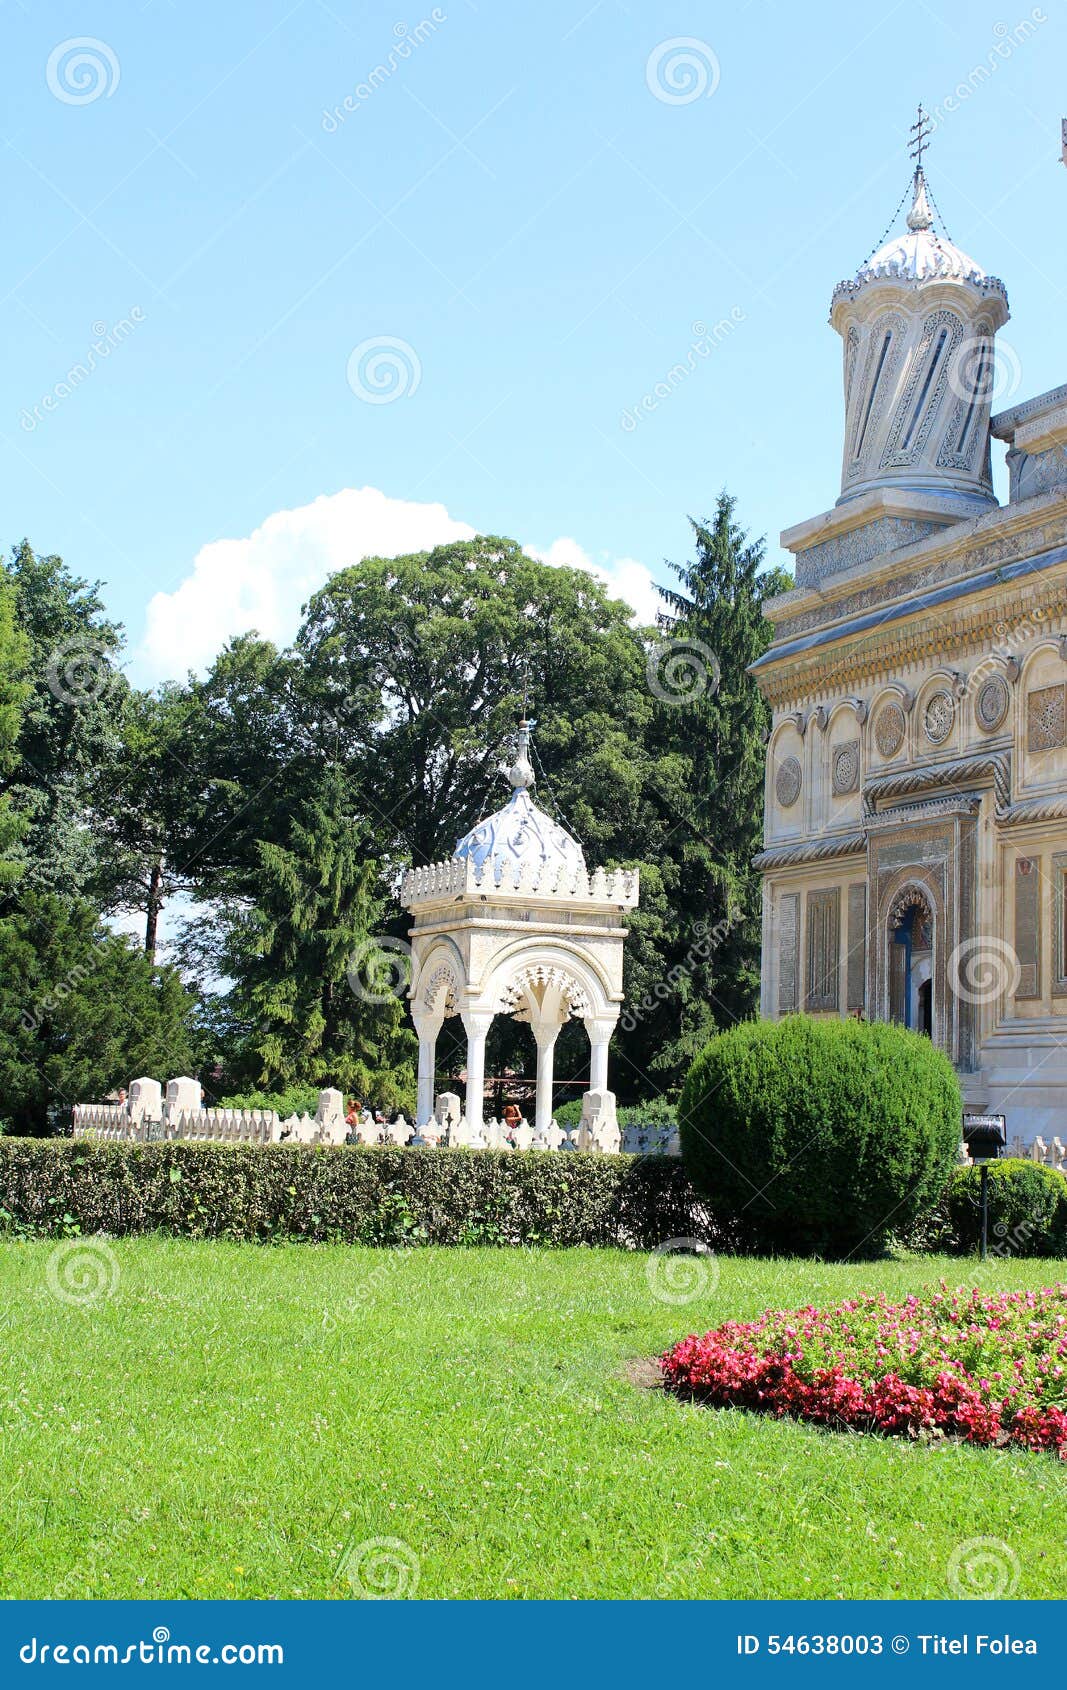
238, 1421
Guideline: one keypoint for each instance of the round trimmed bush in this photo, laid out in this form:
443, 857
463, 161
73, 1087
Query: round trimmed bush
820, 1137
1027, 1209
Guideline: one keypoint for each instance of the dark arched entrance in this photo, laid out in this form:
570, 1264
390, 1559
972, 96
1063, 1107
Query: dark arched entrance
911, 938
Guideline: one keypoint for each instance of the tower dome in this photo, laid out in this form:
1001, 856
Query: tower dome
520, 835
918, 322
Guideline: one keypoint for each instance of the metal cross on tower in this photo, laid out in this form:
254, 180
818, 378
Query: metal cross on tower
920, 133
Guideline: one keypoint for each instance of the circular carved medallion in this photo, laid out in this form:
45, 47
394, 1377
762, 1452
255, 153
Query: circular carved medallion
938, 717
889, 729
991, 704
788, 781
846, 770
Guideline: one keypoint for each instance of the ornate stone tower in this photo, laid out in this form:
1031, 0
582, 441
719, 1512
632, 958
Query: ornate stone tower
918, 323
915, 848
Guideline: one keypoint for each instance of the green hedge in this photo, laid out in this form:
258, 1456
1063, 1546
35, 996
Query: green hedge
356, 1194
1027, 1209
815, 1137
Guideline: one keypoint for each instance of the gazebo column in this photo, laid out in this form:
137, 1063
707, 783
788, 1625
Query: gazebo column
599, 1028
546, 1033
427, 1027
477, 1024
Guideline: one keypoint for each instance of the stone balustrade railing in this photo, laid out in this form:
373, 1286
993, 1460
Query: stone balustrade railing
620, 886
147, 1117
1051, 1155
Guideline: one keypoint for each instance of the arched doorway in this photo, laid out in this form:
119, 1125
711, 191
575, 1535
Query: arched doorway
911, 946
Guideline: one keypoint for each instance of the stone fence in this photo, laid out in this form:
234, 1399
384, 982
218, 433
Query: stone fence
149, 1116
450, 879
1052, 1155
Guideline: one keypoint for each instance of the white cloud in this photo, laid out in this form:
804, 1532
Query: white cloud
260, 582
623, 577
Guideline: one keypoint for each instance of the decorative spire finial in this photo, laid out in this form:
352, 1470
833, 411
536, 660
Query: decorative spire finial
521, 774
920, 216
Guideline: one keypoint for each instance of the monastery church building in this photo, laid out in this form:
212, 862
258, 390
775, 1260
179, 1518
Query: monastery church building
915, 854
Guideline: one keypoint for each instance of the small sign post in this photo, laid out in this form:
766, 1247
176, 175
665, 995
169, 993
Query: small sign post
984, 1136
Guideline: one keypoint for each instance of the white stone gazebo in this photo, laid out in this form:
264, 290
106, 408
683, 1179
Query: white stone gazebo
515, 924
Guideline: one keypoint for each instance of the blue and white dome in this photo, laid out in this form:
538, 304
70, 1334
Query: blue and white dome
520, 836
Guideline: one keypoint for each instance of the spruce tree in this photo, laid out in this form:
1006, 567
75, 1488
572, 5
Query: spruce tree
318, 996
717, 726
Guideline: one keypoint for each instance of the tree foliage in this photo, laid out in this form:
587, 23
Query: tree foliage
265, 811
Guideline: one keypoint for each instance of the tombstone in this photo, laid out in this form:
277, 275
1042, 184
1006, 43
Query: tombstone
523, 1136
446, 1109
331, 1107
185, 1095
459, 1133
398, 1132
555, 1136
599, 1129
145, 1102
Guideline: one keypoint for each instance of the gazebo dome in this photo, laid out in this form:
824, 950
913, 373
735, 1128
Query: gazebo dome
520, 835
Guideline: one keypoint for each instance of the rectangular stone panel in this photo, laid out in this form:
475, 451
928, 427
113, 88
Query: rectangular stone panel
856, 940
1027, 926
823, 916
1046, 718
1059, 916
903, 853
788, 951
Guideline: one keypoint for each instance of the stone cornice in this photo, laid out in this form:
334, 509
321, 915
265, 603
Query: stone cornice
940, 633
1007, 532
1034, 810
790, 856
1005, 423
965, 803
985, 768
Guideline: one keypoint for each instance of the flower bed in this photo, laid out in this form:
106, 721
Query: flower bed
988, 1369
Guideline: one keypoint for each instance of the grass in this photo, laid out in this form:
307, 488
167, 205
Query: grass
240, 1421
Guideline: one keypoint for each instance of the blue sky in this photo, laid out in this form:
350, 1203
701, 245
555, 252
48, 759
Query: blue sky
512, 199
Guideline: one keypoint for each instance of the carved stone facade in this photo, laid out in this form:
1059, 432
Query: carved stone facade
915, 853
